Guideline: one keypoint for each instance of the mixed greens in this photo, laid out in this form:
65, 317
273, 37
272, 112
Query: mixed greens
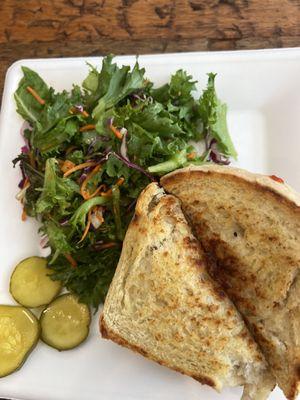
89, 152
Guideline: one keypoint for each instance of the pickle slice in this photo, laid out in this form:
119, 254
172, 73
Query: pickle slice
19, 333
65, 322
30, 284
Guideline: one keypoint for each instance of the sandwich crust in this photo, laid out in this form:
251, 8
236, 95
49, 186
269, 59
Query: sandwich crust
106, 333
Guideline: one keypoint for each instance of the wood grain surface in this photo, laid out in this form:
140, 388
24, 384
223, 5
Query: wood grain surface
64, 28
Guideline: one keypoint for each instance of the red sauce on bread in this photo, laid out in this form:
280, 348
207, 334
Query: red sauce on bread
276, 178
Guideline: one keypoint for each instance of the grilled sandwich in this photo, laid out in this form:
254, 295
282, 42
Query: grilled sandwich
163, 304
249, 227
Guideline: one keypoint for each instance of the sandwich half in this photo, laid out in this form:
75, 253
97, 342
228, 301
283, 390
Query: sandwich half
163, 304
249, 225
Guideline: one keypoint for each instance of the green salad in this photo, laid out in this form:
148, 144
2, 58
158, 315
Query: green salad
89, 152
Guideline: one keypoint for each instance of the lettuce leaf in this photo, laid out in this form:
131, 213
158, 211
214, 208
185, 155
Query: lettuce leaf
56, 192
213, 114
112, 85
62, 132
27, 106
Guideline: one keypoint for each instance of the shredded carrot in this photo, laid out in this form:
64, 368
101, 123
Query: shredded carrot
88, 127
79, 167
84, 193
70, 149
73, 110
71, 260
26, 183
88, 196
191, 156
276, 178
103, 187
106, 245
24, 215
116, 131
108, 192
67, 165
87, 228
35, 95
120, 181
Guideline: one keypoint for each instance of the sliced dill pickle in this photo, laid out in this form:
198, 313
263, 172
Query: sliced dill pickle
30, 284
19, 334
65, 322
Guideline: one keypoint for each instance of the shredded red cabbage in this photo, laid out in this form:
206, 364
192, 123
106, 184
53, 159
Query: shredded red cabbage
79, 107
82, 178
22, 181
64, 221
110, 121
138, 97
25, 149
86, 170
214, 153
44, 242
128, 163
142, 97
91, 146
134, 166
131, 206
25, 126
100, 138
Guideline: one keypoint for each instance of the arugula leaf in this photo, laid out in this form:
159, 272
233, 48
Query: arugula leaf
213, 114
91, 82
53, 112
57, 239
96, 84
115, 168
153, 119
27, 106
180, 103
56, 192
181, 87
161, 94
151, 129
115, 84
63, 132
77, 156
178, 90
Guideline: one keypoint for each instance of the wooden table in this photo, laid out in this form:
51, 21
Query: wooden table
64, 28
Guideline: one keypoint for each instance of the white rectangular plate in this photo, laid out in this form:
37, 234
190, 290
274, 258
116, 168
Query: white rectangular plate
262, 90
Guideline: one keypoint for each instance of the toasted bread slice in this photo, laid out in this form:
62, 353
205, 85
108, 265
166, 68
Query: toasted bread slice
250, 224
163, 304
